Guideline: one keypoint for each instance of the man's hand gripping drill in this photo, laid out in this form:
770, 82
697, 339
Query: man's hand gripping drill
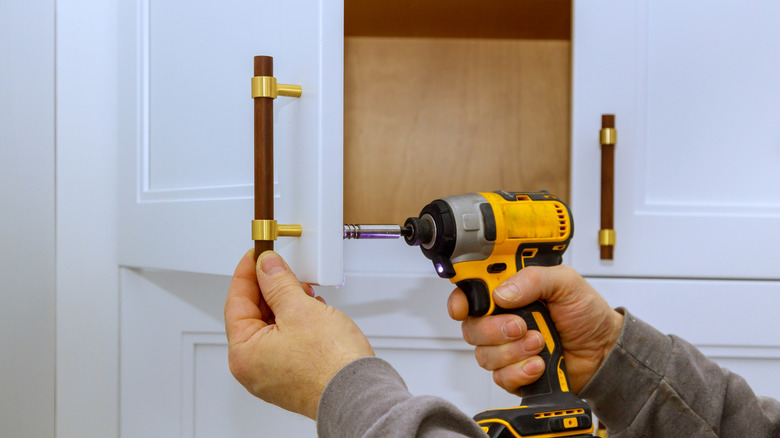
478, 241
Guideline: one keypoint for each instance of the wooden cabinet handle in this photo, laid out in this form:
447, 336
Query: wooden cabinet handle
264, 153
264, 90
608, 140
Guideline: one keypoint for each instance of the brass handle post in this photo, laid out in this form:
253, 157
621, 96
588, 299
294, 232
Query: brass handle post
608, 140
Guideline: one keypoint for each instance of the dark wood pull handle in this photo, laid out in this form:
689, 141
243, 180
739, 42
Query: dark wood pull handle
264, 90
608, 140
264, 153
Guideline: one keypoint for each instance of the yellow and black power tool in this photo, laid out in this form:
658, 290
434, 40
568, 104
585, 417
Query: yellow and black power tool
478, 240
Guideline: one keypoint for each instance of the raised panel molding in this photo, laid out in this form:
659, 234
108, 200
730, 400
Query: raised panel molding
221, 109
186, 133
694, 188
213, 403
175, 378
679, 106
188, 95
697, 85
726, 320
752, 363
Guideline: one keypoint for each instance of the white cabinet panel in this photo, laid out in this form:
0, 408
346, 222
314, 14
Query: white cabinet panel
28, 270
186, 132
87, 319
444, 369
753, 368
215, 404
732, 322
175, 378
698, 151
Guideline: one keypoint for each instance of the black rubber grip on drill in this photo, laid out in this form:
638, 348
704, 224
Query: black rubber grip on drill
548, 408
477, 294
551, 381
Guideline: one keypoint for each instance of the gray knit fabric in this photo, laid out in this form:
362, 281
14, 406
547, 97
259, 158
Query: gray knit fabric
653, 385
650, 385
367, 398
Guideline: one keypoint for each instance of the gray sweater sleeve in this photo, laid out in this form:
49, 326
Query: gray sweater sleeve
367, 398
652, 385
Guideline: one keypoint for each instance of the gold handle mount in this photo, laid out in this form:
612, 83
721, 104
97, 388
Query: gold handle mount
267, 86
267, 230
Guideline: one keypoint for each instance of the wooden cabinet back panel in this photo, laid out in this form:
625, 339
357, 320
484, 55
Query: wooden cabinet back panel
430, 117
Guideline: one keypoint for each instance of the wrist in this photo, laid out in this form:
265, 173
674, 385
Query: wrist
616, 328
617, 321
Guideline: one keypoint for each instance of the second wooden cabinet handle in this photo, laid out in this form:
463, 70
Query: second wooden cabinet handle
608, 140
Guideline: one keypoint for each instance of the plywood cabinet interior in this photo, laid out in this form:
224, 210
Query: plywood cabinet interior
445, 97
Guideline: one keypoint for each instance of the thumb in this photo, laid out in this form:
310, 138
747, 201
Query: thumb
531, 284
277, 282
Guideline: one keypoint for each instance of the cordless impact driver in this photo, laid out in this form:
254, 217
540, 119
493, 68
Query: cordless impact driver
478, 240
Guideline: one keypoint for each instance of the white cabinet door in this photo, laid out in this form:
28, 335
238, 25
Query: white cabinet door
697, 101
185, 195
186, 132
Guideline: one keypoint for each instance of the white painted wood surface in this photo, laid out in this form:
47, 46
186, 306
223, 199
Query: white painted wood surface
27, 222
174, 377
732, 322
175, 380
697, 162
87, 285
186, 132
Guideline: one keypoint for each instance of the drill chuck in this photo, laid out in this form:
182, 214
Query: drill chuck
422, 231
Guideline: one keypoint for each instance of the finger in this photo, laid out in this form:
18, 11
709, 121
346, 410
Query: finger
458, 305
534, 283
520, 374
308, 289
278, 283
243, 316
493, 357
493, 330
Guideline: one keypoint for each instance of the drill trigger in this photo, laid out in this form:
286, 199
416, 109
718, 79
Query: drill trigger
478, 295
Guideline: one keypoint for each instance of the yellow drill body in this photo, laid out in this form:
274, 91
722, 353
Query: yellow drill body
478, 241
524, 227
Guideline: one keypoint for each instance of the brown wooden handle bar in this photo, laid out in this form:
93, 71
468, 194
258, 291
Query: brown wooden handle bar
608, 139
264, 153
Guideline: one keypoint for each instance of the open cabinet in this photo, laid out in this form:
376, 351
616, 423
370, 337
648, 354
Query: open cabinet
438, 98
479, 104
450, 97
400, 106
442, 98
